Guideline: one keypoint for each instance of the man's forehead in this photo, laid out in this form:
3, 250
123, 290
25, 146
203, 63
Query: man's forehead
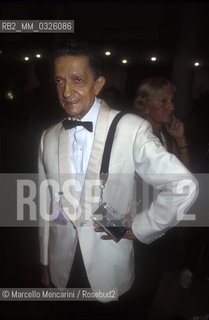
75, 64
68, 59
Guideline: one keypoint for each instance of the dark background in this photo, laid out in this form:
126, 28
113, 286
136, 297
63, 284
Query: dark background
175, 32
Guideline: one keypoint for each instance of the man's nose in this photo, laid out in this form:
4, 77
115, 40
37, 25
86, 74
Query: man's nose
67, 90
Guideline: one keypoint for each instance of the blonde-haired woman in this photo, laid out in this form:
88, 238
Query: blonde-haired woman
155, 103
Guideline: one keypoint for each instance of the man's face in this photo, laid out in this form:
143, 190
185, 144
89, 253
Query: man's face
161, 107
75, 84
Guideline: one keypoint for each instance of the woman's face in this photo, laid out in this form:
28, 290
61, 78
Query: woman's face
160, 107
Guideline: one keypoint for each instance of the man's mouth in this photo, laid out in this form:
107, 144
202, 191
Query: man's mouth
70, 103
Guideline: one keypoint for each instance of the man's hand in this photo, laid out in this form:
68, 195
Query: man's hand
45, 277
129, 234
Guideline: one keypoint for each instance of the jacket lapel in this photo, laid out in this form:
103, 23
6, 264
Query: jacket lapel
66, 179
101, 131
64, 152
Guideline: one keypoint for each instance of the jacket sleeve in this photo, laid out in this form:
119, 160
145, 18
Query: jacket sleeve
176, 187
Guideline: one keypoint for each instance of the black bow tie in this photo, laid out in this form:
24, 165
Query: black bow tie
69, 124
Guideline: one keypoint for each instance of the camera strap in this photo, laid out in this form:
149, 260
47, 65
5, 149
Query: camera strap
107, 152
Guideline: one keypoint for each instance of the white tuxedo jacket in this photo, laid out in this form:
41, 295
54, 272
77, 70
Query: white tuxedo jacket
135, 149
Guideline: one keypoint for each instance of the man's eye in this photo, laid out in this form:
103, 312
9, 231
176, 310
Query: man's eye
58, 81
78, 80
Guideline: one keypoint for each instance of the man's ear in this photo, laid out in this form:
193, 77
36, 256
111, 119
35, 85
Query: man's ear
99, 84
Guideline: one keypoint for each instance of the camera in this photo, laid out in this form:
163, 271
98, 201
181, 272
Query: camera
113, 223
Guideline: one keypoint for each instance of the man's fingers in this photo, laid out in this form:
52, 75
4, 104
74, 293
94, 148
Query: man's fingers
99, 229
103, 237
106, 237
129, 235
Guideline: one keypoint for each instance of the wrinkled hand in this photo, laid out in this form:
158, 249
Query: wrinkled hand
129, 234
45, 277
175, 128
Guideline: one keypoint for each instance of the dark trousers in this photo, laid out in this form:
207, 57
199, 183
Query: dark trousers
136, 302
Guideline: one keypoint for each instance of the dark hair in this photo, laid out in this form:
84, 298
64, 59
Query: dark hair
82, 48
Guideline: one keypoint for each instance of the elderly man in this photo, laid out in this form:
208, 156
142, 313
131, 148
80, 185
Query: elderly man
71, 153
